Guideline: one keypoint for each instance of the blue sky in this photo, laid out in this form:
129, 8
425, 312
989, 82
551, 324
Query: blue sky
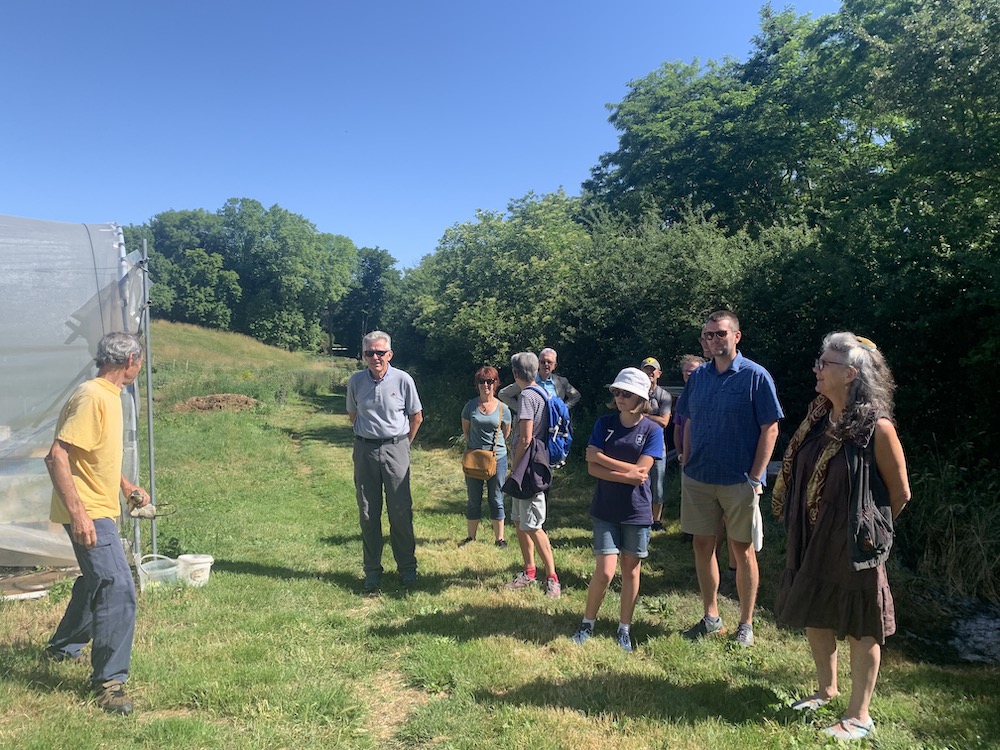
384, 121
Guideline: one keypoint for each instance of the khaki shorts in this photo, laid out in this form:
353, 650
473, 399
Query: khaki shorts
703, 505
528, 514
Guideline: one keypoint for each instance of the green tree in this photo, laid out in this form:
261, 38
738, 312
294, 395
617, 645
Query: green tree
204, 292
375, 281
289, 272
497, 284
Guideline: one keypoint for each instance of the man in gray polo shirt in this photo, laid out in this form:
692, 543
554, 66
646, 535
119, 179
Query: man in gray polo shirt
385, 410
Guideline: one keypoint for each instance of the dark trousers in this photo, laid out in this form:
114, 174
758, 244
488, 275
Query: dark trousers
101, 608
378, 468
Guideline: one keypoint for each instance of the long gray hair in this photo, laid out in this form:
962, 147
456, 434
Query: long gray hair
870, 396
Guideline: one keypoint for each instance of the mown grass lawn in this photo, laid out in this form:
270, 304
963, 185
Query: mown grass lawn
280, 650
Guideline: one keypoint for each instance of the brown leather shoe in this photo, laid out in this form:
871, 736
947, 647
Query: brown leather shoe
111, 697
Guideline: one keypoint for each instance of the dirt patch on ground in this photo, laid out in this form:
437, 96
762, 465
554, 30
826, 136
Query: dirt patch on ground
397, 704
217, 402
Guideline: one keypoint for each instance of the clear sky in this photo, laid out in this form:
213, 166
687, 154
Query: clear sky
386, 121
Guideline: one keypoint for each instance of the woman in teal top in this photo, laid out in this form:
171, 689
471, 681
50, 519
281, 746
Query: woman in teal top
480, 419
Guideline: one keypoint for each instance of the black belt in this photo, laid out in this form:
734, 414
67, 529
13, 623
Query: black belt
381, 441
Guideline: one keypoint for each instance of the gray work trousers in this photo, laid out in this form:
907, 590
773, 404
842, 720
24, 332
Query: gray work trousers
378, 467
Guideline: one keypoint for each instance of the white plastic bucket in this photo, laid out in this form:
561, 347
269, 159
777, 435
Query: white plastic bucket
195, 569
155, 570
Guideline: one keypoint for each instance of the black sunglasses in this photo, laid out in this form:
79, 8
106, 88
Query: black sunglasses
376, 352
709, 335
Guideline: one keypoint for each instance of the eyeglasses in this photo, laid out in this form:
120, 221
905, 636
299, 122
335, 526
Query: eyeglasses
618, 393
822, 364
709, 335
376, 352
485, 382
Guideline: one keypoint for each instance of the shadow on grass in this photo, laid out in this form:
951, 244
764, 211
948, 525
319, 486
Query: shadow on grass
340, 579
27, 665
521, 619
334, 434
351, 581
635, 696
335, 403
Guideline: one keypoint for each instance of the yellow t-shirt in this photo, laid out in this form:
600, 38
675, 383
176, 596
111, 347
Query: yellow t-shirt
92, 425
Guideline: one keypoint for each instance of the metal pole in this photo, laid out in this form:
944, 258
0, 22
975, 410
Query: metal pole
149, 386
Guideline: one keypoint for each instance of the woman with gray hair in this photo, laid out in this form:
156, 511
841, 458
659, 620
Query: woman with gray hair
528, 514
847, 437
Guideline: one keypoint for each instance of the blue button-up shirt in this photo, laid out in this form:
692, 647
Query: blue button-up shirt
727, 410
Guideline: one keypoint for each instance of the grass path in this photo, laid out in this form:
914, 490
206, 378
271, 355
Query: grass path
281, 651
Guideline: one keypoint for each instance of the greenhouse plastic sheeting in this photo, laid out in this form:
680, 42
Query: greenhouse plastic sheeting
62, 287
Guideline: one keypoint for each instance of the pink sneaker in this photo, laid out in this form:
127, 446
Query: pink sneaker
521, 581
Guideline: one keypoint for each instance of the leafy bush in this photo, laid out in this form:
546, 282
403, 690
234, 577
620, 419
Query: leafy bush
951, 531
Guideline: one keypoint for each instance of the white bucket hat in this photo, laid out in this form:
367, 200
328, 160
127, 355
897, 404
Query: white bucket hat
633, 380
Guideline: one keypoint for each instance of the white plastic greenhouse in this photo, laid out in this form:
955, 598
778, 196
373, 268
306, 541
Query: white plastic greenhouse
62, 287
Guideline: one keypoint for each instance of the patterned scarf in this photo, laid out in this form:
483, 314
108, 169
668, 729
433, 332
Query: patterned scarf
818, 410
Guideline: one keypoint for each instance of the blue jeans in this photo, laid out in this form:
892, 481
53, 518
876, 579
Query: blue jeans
494, 497
615, 538
101, 608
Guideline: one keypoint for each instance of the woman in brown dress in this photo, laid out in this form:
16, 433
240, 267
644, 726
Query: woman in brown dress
821, 588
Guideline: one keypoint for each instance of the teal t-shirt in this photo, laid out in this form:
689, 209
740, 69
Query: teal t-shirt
483, 427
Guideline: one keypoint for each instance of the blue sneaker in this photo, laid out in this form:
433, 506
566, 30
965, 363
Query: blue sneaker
582, 634
624, 639
410, 578
371, 583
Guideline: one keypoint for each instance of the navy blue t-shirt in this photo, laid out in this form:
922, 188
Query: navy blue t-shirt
617, 502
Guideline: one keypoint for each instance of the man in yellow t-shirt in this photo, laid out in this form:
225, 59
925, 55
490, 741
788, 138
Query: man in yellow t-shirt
85, 465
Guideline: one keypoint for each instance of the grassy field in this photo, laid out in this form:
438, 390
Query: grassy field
280, 650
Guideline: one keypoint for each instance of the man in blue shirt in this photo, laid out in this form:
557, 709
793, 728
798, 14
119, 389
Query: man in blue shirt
732, 414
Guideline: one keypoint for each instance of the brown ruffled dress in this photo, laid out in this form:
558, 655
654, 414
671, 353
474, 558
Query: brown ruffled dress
819, 588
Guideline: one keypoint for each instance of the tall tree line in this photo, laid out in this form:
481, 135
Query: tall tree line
265, 272
845, 176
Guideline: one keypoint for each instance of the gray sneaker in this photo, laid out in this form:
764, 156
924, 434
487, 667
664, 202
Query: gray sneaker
521, 581
552, 588
582, 634
705, 628
744, 634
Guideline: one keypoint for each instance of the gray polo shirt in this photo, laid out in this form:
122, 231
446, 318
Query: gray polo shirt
383, 407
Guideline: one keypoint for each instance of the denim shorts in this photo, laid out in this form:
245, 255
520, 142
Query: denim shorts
612, 538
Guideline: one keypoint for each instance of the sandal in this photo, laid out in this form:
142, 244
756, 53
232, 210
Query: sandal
811, 703
850, 729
